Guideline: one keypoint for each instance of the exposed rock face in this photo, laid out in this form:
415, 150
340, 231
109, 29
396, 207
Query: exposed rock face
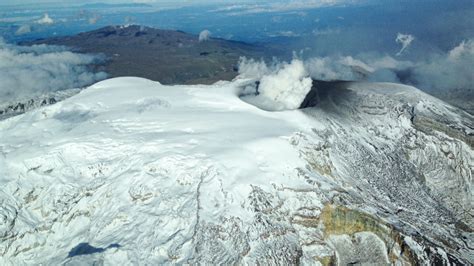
15, 108
361, 248
192, 174
412, 153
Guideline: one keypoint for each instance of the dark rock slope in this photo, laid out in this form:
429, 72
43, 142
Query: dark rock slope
170, 57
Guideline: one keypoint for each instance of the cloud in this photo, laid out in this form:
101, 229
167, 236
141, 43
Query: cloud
323, 32
205, 35
405, 40
93, 19
439, 72
18, 19
465, 48
45, 20
282, 86
328, 68
372, 67
288, 33
252, 69
278, 6
129, 20
24, 29
452, 70
30, 71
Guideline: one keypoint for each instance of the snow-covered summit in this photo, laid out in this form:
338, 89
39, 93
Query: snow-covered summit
130, 171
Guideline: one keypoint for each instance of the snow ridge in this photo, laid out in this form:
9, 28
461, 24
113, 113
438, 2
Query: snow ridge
129, 171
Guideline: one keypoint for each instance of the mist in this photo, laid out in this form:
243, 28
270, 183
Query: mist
30, 71
282, 85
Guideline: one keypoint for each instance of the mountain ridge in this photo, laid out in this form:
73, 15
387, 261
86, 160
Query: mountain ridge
130, 171
167, 56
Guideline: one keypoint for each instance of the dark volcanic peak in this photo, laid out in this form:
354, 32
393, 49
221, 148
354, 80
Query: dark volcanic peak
137, 31
167, 56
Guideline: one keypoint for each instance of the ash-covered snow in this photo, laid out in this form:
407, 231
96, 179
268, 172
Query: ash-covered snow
129, 171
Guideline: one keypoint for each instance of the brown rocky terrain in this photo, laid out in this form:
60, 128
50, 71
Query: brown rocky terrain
167, 56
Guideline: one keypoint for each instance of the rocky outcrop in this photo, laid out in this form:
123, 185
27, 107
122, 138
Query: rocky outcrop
407, 157
10, 109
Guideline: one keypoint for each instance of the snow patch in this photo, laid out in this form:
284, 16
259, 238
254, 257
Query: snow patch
149, 104
75, 113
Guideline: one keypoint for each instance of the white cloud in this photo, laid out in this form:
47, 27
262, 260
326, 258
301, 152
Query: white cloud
204, 36
24, 29
279, 6
328, 68
323, 32
128, 20
93, 19
27, 72
465, 48
353, 68
447, 71
251, 69
18, 19
440, 72
282, 86
45, 20
405, 40
288, 33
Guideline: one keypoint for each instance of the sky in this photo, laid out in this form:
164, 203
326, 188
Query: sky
190, 2
20, 2
393, 40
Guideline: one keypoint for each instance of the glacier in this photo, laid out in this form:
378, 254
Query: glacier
129, 171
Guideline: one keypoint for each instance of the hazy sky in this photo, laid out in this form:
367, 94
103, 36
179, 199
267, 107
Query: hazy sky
430, 43
313, 2
19, 2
